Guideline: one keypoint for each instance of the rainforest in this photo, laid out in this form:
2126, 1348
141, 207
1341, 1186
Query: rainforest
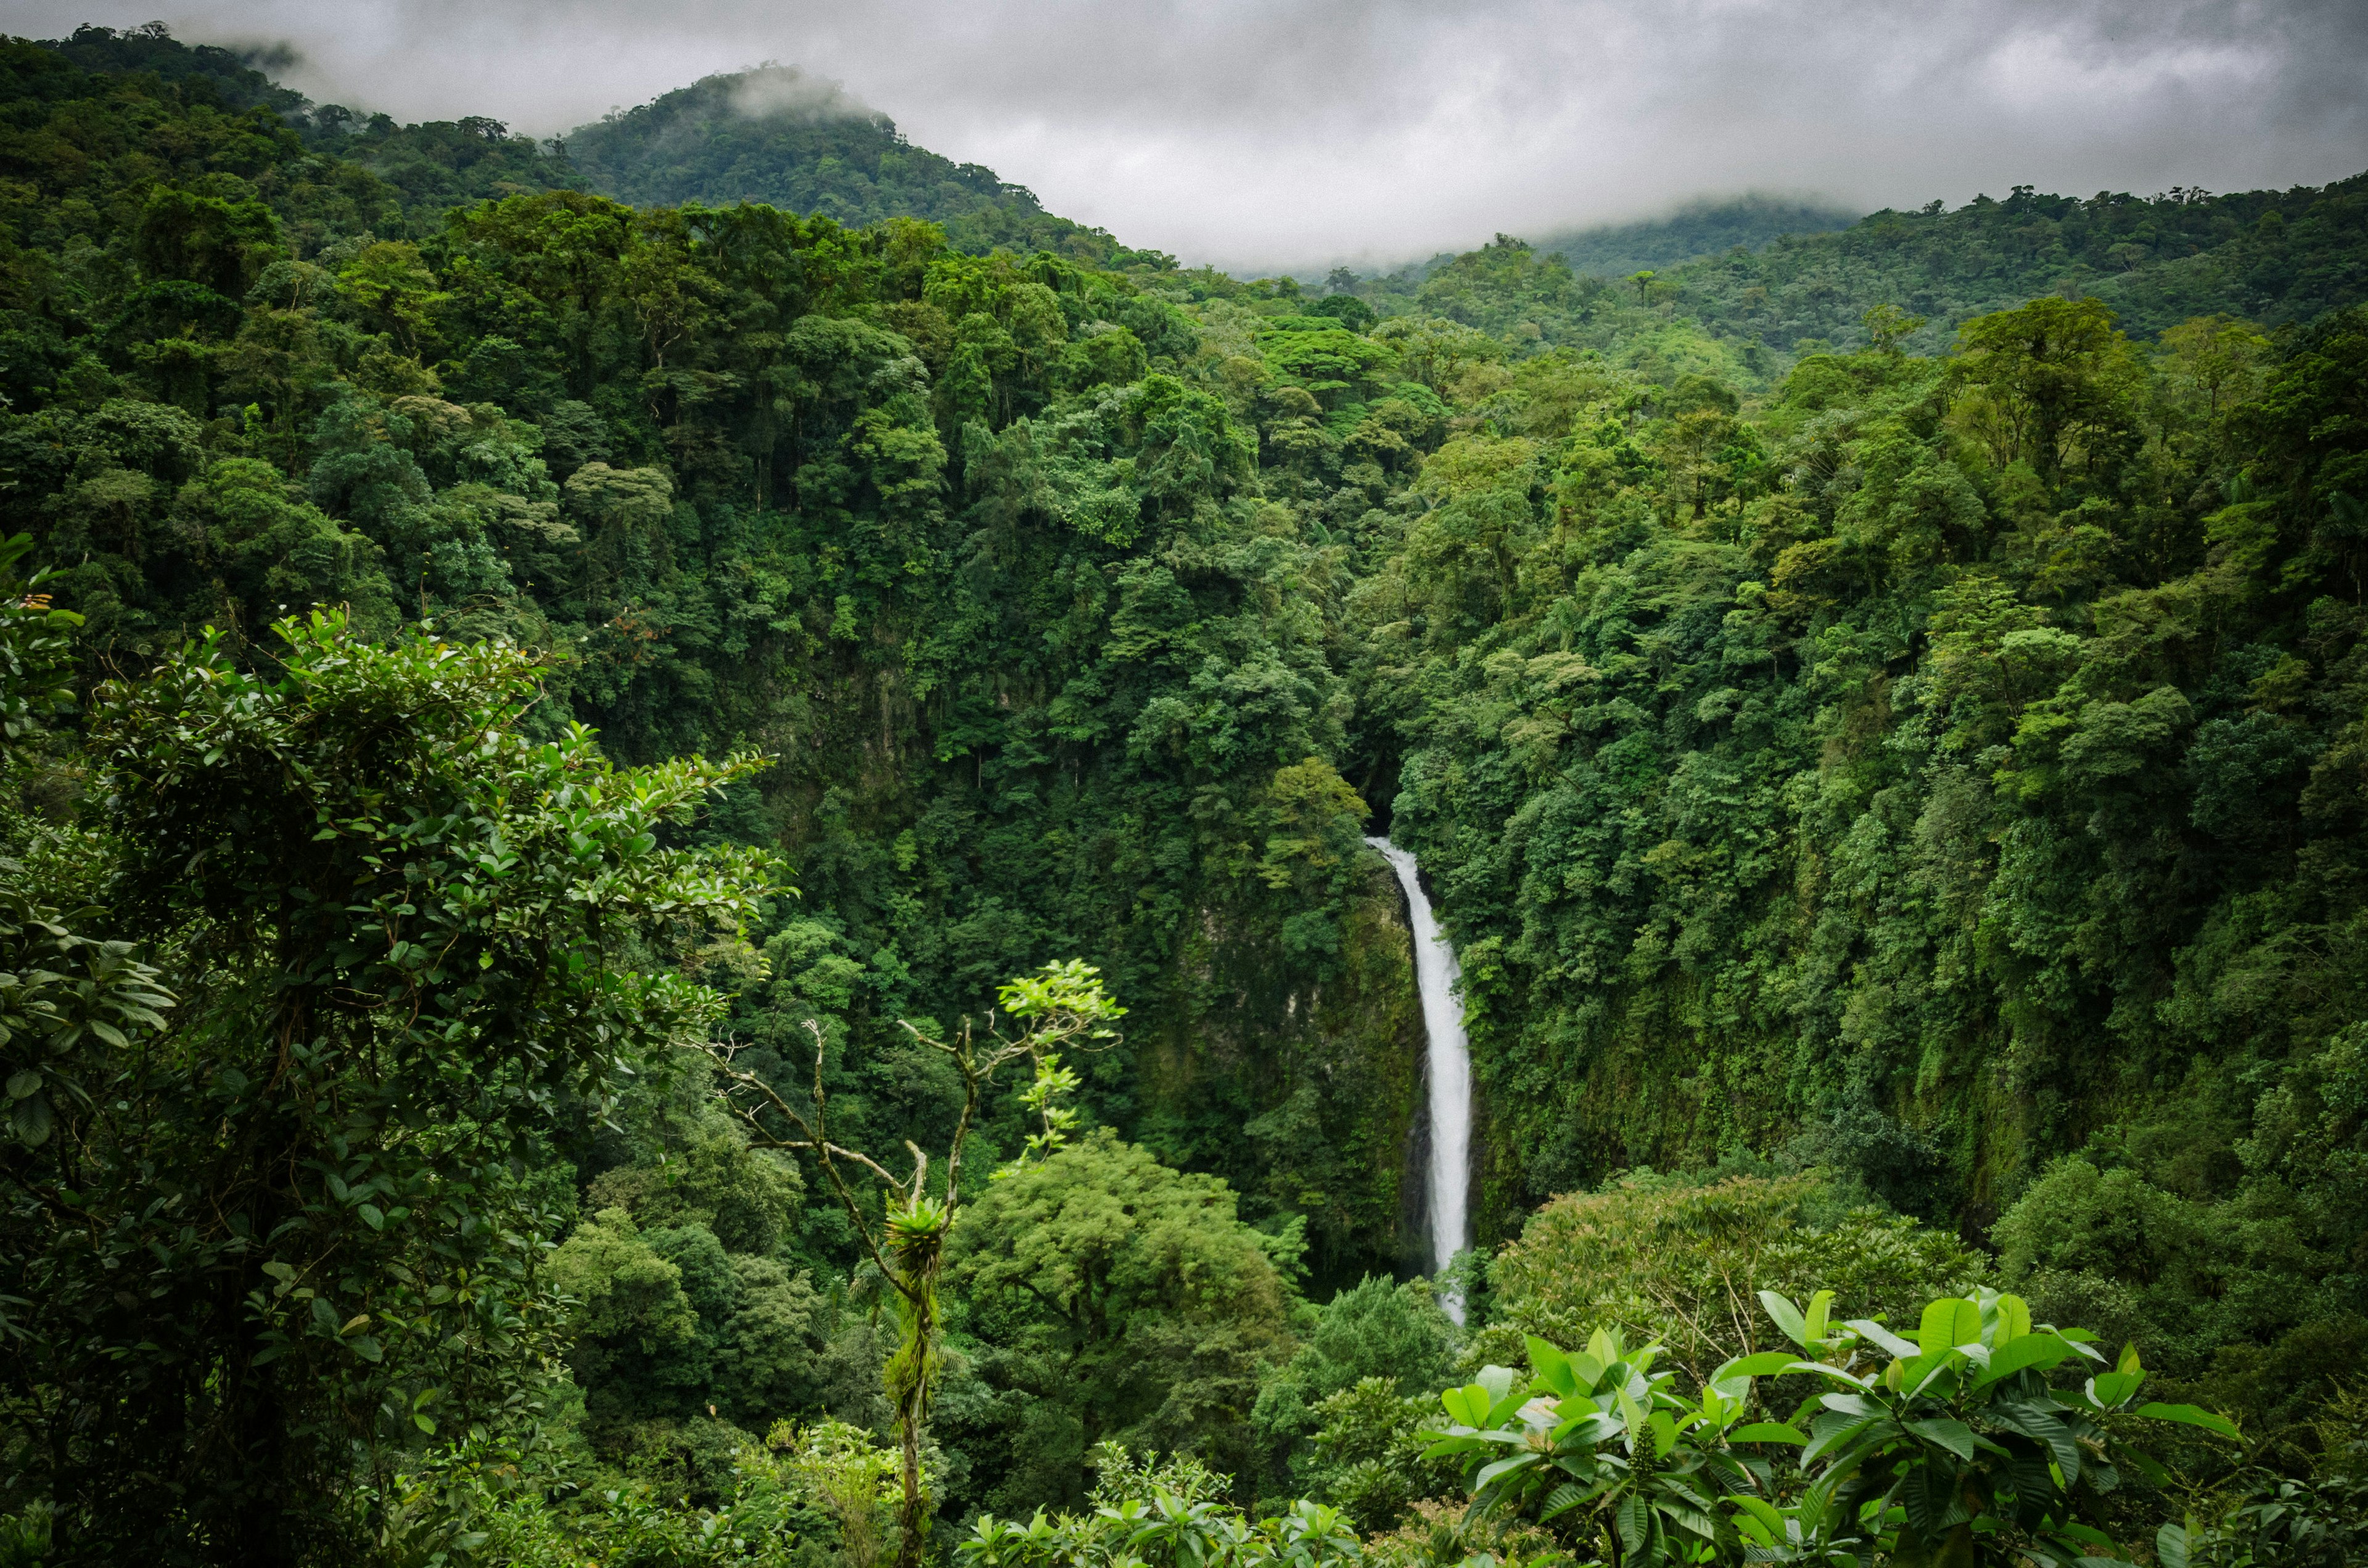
686, 870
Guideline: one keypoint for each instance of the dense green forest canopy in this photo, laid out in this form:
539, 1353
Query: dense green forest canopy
768, 135
775, 136
2272, 257
1709, 228
1882, 715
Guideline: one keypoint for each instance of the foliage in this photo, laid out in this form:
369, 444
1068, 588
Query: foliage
1371, 1455
1112, 1298
1348, 1398
1960, 1449
1937, 767
1889, 806
481, 1500
778, 136
1680, 1265
1164, 1531
2264, 255
397, 932
1063, 1003
1701, 229
2316, 1523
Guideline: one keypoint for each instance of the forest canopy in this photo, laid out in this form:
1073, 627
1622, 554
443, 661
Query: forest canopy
685, 879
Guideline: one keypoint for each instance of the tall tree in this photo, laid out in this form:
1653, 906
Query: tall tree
297, 1217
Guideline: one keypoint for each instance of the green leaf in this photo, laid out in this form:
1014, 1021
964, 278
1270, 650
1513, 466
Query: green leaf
1820, 1310
2171, 1546
24, 1085
1788, 1317
1763, 1511
31, 1120
371, 1216
1631, 1518
1632, 1414
1591, 1426
1948, 1323
1929, 1496
1491, 1473
1552, 1367
2043, 1424
1953, 1435
1765, 1432
1766, 1364
1870, 1329
1566, 1496
1468, 1406
2191, 1415
1831, 1431
2041, 1350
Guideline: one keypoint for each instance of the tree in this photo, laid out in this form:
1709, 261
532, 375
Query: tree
1127, 1300
2058, 374
2215, 360
1164, 1531
1679, 1263
907, 1241
1372, 1330
1887, 326
297, 1218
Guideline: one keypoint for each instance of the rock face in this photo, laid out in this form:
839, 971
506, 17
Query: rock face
1300, 1083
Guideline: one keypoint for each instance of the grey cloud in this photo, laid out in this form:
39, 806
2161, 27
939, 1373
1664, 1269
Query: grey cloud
1258, 133
785, 90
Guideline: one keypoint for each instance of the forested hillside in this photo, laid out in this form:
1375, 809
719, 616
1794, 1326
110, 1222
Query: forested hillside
773, 135
1901, 814
1712, 228
2272, 257
766, 136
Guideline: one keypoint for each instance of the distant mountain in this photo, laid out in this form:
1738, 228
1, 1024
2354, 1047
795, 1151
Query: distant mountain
1620, 250
2271, 257
772, 135
231, 77
433, 166
778, 136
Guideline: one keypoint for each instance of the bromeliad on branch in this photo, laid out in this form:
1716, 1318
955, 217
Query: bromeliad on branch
1060, 1003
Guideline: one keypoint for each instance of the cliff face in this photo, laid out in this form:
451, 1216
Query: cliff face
1302, 1084
1274, 1034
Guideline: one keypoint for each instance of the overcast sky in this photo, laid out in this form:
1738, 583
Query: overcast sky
1258, 134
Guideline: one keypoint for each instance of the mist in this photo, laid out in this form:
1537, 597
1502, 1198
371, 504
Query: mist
1277, 136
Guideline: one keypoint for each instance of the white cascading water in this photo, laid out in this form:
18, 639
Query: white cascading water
1438, 977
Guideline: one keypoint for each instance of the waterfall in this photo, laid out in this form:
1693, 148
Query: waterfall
1439, 977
